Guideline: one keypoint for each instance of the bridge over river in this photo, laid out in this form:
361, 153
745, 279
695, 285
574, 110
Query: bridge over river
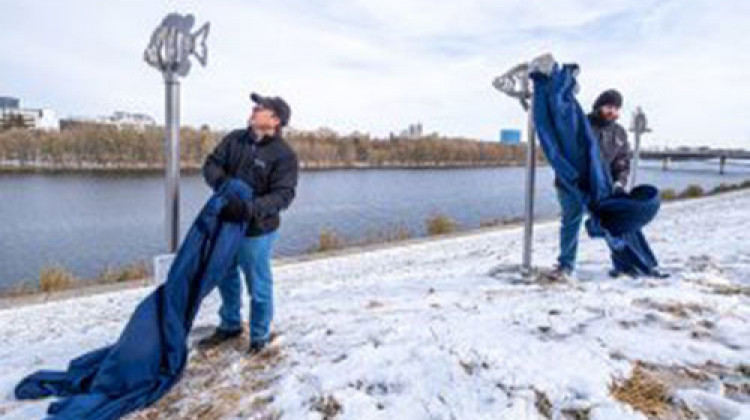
667, 156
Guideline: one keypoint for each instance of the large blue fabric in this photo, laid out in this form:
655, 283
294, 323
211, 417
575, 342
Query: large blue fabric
148, 358
572, 150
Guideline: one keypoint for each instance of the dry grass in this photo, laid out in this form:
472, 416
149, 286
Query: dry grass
668, 194
53, 279
731, 289
328, 406
398, 233
696, 191
23, 288
328, 240
440, 224
135, 271
576, 413
644, 392
57, 278
394, 233
221, 382
677, 309
543, 404
486, 223
650, 393
692, 191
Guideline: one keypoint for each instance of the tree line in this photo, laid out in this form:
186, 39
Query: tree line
99, 146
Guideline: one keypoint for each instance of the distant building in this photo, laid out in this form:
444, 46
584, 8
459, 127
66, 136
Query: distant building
9, 102
132, 120
413, 131
13, 116
118, 119
510, 136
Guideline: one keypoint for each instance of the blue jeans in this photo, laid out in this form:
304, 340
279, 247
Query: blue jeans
570, 226
254, 259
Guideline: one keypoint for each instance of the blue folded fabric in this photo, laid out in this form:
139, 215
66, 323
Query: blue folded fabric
148, 358
573, 152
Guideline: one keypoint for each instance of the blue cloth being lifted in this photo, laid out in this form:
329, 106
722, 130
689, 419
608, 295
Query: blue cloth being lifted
573, 152
148, 358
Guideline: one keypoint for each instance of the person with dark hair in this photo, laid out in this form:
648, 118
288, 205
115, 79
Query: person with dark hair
259, 156
615, 151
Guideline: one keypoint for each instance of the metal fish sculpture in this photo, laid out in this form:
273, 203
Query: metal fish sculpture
515, 82
172, 44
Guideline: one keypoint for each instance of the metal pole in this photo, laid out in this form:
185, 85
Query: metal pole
169, 51
638, 126
636, 158
516, 84
528, 228
172, 155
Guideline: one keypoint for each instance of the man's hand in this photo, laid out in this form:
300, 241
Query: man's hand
235, 211
221, 181
618, 189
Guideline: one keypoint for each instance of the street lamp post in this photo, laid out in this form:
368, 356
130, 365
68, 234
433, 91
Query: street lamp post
169, 51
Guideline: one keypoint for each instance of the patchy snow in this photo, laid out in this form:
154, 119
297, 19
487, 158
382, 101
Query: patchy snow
425, 331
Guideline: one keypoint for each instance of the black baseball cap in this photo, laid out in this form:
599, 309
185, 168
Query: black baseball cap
275, 104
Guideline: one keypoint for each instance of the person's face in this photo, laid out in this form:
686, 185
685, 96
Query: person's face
610, 112
263, 119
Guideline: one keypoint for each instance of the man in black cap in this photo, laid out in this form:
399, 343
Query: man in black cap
260, 157
615, 150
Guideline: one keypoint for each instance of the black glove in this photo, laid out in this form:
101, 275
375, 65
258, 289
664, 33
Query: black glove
235, 211
221, 181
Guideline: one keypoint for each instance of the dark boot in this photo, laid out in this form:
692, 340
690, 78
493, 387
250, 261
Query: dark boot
256, 347
559, 274
658, 274
219, 336
615, 273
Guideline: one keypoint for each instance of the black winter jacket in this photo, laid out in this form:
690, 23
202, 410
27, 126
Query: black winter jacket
268, 165
614, 146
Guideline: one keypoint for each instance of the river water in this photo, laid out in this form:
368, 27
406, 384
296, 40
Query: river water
85, 222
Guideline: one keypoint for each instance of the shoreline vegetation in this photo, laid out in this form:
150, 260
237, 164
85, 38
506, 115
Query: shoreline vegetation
99, 148
56, 278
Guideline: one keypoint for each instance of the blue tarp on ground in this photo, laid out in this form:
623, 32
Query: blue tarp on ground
148, 358
572, 150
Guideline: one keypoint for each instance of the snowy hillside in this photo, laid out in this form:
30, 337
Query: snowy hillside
445, 330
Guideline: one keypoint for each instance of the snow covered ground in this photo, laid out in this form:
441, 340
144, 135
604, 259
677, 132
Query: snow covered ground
445, 330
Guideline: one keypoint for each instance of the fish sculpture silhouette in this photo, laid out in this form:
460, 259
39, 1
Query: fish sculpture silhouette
172, 44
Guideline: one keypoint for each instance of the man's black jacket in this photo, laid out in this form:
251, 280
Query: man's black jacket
614, 146
268, 165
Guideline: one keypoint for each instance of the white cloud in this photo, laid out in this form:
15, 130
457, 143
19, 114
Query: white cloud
379, 65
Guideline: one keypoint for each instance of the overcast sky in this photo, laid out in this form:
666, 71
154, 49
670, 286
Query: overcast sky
378, 65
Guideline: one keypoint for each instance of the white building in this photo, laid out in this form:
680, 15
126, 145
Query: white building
12, 115
119, 119
135, 120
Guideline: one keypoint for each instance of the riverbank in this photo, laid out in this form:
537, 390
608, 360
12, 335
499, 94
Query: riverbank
195, 168
447, 328
57, 282
103, 147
